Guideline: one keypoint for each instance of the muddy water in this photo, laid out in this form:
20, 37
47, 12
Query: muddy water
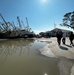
22, 57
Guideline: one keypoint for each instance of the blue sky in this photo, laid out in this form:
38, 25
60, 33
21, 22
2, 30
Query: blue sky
41, 14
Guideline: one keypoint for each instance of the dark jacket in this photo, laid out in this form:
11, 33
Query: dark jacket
59, 34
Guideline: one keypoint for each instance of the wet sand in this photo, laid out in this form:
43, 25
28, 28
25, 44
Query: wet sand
65, 53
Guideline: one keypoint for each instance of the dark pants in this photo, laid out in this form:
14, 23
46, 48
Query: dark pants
71, 42
63, 40
59, 41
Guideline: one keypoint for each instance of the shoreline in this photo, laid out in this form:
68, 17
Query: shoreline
65, 54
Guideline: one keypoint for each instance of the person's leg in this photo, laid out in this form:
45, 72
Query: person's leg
63, 40
58, 41
72, 42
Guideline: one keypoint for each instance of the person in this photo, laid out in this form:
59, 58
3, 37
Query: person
59, 36
64, 37
71, 37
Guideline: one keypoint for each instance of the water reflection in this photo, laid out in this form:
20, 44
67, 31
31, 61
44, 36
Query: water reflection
10, 47
45, 74
21, 57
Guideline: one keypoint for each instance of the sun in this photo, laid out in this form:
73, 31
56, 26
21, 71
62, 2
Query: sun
43, 1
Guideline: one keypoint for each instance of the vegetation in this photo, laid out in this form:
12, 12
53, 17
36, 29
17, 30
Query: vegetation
68, 20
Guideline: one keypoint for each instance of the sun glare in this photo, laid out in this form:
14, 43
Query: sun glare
43, 1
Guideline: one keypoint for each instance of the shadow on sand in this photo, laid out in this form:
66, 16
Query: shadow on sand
63, 48
68, 45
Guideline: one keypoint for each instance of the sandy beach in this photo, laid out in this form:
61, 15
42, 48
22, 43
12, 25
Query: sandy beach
64, 52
